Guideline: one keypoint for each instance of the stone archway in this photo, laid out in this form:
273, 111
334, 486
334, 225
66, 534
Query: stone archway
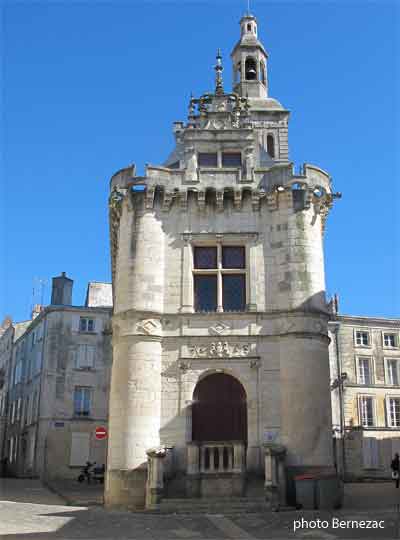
219, 410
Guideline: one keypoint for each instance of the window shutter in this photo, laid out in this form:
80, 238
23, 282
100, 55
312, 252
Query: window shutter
75, 323
370, 453
80, 356
367, 458
79, 449
374, 454
90, 356
388, 419
359, 406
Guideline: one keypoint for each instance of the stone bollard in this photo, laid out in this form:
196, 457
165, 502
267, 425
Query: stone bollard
155, 476
275, 474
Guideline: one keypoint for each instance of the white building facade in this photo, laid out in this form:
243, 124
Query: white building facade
365, 377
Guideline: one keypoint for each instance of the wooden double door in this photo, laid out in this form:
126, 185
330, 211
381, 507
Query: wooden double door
219, 411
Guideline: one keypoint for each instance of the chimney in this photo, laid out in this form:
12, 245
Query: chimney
61, 290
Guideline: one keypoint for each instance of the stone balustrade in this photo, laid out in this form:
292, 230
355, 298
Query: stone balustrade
215, 457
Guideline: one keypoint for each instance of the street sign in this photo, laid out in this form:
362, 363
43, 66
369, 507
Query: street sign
101, 432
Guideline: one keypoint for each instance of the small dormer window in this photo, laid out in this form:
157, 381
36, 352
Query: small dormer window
251, 69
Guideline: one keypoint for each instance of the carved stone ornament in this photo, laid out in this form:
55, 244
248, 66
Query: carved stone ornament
116, 197
219, 328
255, 363
158, 452
148, 326
184, 366
220, 349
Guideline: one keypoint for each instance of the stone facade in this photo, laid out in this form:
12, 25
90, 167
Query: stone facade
228, 182
58, 388
365, 364
9, 332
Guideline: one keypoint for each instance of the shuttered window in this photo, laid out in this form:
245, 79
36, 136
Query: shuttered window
84, 358
82, 397
392, 371
366, 408
79, 449
393, 411
364, 370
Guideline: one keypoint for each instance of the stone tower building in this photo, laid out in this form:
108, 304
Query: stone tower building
220, 340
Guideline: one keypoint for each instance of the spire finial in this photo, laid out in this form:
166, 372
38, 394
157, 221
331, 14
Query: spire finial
218, 74
191, 106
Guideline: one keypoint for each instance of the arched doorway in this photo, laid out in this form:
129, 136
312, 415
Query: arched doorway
219, 411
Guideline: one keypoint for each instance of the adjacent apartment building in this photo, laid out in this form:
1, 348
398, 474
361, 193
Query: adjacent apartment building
365, 382
9, 331
58, 384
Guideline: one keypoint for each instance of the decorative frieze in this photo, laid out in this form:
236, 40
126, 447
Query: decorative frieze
219, 349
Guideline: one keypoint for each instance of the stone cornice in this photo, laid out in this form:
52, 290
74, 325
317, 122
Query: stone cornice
214, 316
359, 320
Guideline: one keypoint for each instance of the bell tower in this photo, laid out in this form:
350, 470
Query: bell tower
249, 59
219, 290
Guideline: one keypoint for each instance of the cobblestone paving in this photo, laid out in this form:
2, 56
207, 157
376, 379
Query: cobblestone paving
28, 511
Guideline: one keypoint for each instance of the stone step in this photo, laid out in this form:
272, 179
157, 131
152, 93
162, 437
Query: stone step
221, 505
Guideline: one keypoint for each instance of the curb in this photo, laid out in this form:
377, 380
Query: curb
71, 501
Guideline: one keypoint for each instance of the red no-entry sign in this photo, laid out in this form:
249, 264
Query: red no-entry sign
101, 432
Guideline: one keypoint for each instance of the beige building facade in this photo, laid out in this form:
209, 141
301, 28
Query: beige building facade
58, 386
365, 378
220, 372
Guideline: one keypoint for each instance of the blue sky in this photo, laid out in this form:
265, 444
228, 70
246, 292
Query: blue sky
89, 87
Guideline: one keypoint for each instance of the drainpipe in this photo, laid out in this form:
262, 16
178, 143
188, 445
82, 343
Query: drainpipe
340, 391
